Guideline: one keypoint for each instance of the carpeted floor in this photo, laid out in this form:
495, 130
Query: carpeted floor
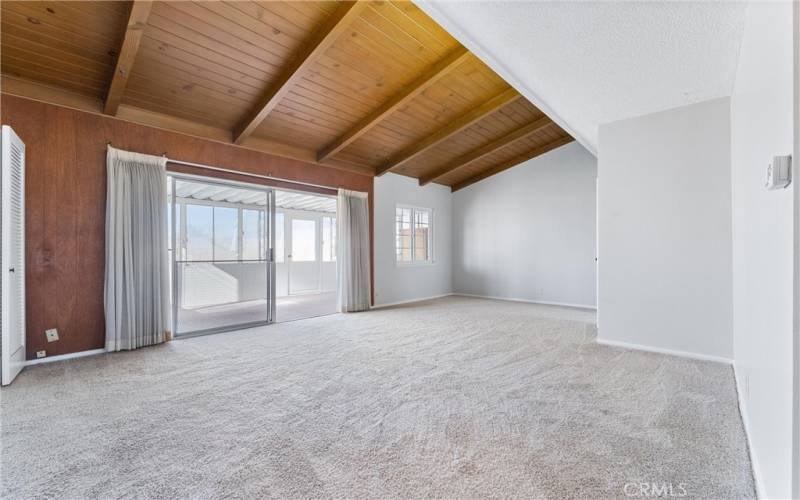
452, 398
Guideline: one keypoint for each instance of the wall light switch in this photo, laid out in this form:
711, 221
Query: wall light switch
41, 354
52, 335
779, 172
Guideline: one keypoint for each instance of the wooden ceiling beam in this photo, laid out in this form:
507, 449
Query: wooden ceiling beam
486, 150
540, 150
39, 92
184, 126
137, 21
409, 92
454, 127
323, 38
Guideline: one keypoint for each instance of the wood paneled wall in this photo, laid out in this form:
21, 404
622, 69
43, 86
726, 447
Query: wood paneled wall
65, 207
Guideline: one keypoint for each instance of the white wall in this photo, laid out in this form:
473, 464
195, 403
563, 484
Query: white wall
761, 127
664, 214
796, 175
209, 284
395, 283
529, 233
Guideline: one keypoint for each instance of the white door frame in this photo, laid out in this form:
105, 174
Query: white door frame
269, 244
12, 259
288, 216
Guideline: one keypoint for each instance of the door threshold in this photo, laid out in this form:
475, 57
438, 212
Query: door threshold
214, 331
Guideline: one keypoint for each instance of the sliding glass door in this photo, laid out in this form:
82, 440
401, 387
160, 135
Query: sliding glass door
222, 241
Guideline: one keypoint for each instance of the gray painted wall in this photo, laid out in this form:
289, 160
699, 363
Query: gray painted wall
761, 127
664, 207
529, 233
395, 283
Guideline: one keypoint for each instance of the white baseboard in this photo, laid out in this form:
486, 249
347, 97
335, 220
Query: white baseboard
746, 424
411, 301
62, 357
661, 350
527, 301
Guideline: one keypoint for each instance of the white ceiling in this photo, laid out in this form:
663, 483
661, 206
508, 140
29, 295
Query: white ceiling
589, 63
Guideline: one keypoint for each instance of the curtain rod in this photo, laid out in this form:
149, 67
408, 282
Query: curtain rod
238, 172
246, 174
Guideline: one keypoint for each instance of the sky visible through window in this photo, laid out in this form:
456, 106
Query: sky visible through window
229, 231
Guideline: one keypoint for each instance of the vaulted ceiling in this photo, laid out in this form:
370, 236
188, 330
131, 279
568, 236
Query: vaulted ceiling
592, 63
372, 87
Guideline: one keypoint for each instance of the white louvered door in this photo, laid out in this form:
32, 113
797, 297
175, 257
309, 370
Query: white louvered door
12, 259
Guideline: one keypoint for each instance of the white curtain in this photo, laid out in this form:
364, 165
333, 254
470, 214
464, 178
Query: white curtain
136, 280
352, 251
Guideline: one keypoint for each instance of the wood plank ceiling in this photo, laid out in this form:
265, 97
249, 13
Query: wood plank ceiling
372, 87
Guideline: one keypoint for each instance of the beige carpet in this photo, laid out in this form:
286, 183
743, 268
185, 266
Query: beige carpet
453, 398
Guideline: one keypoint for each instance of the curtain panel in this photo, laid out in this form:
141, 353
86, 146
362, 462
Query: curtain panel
136, 276
352, 254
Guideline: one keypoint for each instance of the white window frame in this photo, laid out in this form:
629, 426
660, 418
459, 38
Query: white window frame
182, 242
431, 249
331, 236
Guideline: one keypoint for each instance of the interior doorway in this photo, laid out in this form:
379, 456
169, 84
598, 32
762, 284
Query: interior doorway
305, 255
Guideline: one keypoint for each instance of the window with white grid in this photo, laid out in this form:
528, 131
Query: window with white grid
413, 235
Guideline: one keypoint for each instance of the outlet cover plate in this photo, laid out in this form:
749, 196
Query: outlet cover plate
41, 354
52, 335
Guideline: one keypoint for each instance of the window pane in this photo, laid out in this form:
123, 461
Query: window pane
251, 234
329, 239
262, 235
403, 234
177, 226
198, 232
279, 248
304, 240
333, 239
422, 235
179, 243
226, 233
169, 225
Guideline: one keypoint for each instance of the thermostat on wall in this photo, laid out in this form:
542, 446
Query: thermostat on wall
779, 172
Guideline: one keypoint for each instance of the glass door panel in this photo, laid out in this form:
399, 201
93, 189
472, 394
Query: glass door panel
221, 255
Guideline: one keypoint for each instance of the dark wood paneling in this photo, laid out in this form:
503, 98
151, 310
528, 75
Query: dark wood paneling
65, 207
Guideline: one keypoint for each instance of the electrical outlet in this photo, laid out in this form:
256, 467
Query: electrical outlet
52, 335
41, 354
